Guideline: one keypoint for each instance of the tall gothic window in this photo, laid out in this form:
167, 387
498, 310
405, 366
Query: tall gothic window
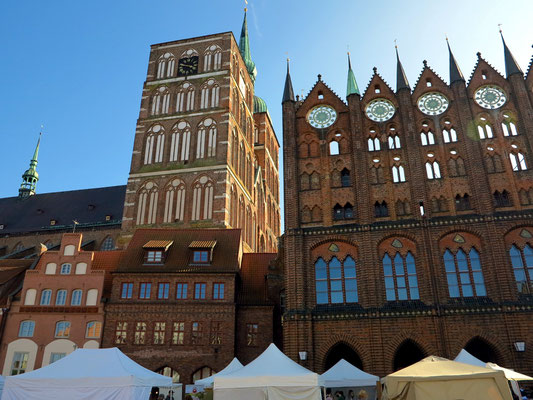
509, 128
456, 167
210, 94
401, 282
427, 138
398, 174
212, 58
336, 281
522, 262
345, 178
161, 101
433, 170
381, 210
374, 144
484, 131
185, 98
165, 66
202, 203
155, 143
394, 142
502, 199
463, 273
462, 203
147, 204
518, 161
494, 163
449, 135
174, 201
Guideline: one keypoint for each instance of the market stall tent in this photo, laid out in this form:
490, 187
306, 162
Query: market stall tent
436, 378
467, 358
344, 374
233, 366
104, 374
271, 376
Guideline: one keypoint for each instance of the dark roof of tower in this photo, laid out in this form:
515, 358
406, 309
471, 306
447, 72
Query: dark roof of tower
511, 66
88, 206
259, 105
288, 92
401, 78
455, 71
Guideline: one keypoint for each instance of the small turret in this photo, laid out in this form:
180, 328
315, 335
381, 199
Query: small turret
401, 79
244, 47
30, 176
455, 71
511, 66
351, 87
288, 92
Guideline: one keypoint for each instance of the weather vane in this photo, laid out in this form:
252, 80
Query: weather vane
500, 27
395, 43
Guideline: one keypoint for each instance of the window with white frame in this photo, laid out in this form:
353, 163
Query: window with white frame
94, 329
56, 357
210, 94
76, 297
174, 201
165, 66
185, 98
374, 144
518, 161
155, 145
61, 297
147, 204
46, 297
160, 101
509, 127
65, 269
485, 131
26, 328
394, 142
433, 170
19, 363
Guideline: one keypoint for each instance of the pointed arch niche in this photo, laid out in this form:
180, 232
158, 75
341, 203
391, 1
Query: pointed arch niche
340, 351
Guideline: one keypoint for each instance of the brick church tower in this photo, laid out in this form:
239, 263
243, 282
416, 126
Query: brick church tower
205, 153
408, 219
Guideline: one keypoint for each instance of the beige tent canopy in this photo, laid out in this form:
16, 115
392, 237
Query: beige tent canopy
436, 378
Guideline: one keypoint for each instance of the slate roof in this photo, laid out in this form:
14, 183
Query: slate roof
254, 269
89, 207
179, 256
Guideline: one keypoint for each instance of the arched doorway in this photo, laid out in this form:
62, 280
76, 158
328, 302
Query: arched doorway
340, 351
407, 354
482, 350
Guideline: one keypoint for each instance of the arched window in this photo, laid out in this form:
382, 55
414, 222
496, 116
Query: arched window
338, 212
336, 282
174, 201
155, 143
161, 101
509, 128
29, 299
502, 199
348, 211
374, 144
185, 98
315, 180
76, 297
169, 372
449, 135
401, 282
94, 329
210, 94
26, 328
202, 373
46, 297
433, 170
181, 136
212, 58
494, 163
462, 203
333, 148
62, 329
484, 131
147, 204
345, 178
376, 175
398, 174
522, 262
380, 209
306, 215
394, 142
427, 138
305, 183
165, 66
463, 273
518, 161
65, 269
61, 297
108, 244
202, 203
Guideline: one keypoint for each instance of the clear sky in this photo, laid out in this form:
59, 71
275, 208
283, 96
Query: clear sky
77, 67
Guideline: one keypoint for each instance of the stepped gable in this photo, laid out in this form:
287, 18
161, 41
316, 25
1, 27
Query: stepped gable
529, 73
437, 83
330, 97
87, 206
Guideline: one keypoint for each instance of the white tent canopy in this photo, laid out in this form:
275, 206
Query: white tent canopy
272, 376
233, 366
467, 358
344, 374
104, 374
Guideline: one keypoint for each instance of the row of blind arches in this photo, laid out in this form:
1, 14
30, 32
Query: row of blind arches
166, 63
183, 99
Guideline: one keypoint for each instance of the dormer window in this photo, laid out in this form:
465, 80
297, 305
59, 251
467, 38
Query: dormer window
202, 251
1, 226
108, 217
53, 222
156, 251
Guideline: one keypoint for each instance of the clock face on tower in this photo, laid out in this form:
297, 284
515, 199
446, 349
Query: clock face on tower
433, 103
322, 116
490, 97
380, 110
188, 66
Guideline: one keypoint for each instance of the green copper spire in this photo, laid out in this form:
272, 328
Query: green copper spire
352, 87
244, 47
30, 176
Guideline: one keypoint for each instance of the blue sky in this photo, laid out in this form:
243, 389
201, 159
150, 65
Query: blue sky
78, 67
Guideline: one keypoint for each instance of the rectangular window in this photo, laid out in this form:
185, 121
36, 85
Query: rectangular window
121, 332
154, 256
251, 334
140, 333
127, 290
218, 291
199, 290
200, 256
62, 329
20, 363
26, 328
216, 333
178, 333
162, 290
56, 356
144, 290
159, 332
196, 333
181, 291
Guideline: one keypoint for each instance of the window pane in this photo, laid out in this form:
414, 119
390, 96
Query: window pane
349, 268
461, 261
320, 269
387, 265
410, 261
322, 298
454, 291
414, 293
402, 294
467, 291
449, 261
336, 297
400, 282
391, 295
322, 286
336, 286
413, 282
480, 290
389, 283
398, 264
528, 255
465, 278
335, 268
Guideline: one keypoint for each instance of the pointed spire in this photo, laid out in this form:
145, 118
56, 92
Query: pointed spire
401, 79
351, 87
511, 66
288, 93
30, 176
244, 47
455, 71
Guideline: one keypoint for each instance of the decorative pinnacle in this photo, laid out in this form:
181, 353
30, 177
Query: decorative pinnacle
375, 69
478, 54
319, 77
425, 62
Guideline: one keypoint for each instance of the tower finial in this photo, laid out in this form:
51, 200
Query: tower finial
351, 87
401, 78
30, 176
511, 66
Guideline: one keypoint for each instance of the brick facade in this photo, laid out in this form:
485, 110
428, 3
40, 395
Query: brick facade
379, 217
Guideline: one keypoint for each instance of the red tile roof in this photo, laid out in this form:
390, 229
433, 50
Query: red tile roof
254, 270
107, 261
178, 256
